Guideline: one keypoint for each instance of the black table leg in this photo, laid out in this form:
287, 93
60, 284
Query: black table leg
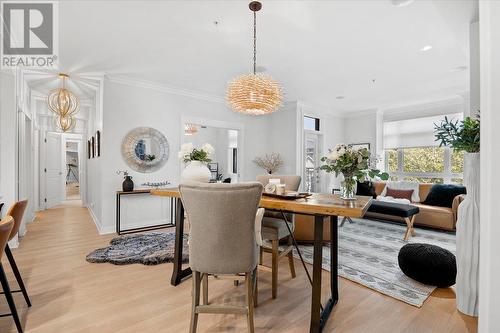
317, 267
334, 261
118, 231
319, 316
178, 273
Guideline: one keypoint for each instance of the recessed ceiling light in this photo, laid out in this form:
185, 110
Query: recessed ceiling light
340, 97
426, 48
401, 3
458, 69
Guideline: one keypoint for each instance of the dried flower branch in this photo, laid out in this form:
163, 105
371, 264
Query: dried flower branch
270, 162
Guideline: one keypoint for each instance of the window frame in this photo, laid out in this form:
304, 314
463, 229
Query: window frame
446, 175
317, 123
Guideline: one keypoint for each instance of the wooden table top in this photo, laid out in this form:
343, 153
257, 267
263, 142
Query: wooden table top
316, 204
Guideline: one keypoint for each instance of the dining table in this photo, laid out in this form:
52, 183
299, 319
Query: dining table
322, 207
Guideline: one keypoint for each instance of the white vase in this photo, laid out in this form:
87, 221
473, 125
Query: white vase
196, 171
467, 287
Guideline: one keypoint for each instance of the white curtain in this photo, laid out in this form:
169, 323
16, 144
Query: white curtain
418, 132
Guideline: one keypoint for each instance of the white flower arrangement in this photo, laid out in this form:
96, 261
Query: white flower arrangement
190, 153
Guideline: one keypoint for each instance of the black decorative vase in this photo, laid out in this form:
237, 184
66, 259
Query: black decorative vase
128, 184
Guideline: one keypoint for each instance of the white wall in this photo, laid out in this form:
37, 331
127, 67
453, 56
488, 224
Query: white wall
7, 140
361, 128
489, 297
474, 82
129, 106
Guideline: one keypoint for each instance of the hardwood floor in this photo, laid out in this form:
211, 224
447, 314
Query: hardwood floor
71, 295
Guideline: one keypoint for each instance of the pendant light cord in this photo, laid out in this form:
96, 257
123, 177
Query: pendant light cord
254, 42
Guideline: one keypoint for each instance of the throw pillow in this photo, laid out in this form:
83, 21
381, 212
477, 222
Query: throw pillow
367, 189
442, 195
403, 185
399, 194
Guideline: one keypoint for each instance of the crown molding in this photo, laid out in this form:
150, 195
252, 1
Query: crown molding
166, 88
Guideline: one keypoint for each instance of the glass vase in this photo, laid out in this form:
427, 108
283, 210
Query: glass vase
348, 187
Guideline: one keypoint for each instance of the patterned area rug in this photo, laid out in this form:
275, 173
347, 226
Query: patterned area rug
368, 255
149, 249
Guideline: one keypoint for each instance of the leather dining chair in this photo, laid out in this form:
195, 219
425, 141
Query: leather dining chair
6, 226
222, 241
274, 229
17, 212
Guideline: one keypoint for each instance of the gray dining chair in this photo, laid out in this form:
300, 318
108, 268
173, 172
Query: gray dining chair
274, 229
222, 241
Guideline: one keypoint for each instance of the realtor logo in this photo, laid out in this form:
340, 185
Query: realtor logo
28, 34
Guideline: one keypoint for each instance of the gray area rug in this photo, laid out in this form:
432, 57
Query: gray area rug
149, 249
368, 255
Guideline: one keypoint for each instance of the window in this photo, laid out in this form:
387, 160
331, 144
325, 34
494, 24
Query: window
425, 164
411, 151
311, 123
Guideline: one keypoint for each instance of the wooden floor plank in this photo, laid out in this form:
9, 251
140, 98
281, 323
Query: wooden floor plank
71, 295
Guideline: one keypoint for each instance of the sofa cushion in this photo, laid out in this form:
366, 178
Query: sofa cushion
367, 189
399, 194
403, 185
395, 209
442, 195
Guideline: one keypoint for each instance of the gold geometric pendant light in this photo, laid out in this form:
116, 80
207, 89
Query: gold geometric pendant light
254, 94
64, 104
65, 124
61, 101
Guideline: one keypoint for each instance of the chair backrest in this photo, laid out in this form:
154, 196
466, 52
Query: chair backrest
17, 213
222, 226
6, 226
291, 182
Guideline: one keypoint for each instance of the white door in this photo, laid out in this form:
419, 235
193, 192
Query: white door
54, 177
311, 162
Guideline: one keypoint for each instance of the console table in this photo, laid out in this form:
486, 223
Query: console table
317, 205
121, 231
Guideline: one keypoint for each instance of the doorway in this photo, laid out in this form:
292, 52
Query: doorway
312, 151
62, 173
72, 170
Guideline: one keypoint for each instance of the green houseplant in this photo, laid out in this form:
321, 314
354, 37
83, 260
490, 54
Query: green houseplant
461, 135
354, 165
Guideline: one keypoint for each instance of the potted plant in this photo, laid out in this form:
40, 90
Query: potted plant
353, 165
196, 160
464, 136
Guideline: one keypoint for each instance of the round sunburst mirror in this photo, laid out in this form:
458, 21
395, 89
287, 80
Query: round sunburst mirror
145, 149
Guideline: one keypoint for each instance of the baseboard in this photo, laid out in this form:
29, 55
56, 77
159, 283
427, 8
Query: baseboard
96, 220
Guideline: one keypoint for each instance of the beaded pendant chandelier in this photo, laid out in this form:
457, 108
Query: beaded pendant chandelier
254, 94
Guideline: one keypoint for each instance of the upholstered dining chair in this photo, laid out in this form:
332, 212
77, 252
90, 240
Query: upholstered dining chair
17, 212
274, 229
222, 241
6, 226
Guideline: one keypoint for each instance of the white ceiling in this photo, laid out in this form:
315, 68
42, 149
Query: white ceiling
317, 49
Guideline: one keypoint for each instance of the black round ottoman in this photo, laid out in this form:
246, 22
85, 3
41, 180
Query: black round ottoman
428, 264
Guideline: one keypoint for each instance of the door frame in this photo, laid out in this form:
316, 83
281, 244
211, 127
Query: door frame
82, 166
81, 154
303, 110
